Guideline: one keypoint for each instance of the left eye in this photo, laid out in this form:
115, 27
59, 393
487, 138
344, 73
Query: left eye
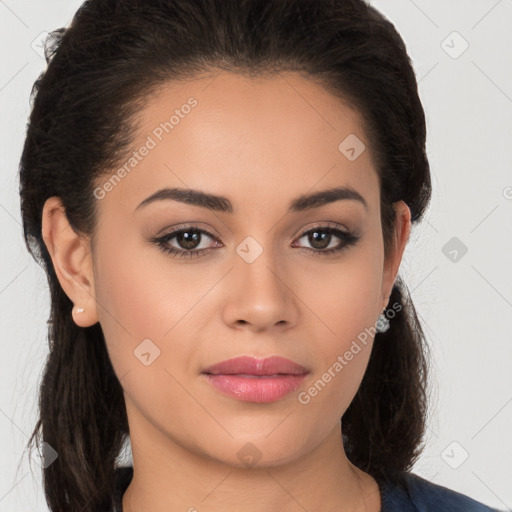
321, 237
189, 238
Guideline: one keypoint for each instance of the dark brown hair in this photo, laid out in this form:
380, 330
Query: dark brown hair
100, 70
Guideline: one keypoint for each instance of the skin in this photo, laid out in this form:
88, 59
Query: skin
260, 143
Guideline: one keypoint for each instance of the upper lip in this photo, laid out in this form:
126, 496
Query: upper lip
249, 365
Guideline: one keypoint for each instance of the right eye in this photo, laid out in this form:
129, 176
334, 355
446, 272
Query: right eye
188, 237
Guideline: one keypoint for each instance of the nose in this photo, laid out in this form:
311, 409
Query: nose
260, 295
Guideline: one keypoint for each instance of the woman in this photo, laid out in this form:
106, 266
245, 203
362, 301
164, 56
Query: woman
221, 193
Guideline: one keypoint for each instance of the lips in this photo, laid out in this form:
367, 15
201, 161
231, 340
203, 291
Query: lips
256, 380
257, 367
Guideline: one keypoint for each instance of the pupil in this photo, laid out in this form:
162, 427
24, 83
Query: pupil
323, 237
188, 241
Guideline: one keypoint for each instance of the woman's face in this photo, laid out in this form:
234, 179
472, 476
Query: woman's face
263, 284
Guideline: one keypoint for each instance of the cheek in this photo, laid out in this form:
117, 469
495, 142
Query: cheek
151, 323
346, 306
146, 296
345, 298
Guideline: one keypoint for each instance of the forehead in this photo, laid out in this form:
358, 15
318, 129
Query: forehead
260, 139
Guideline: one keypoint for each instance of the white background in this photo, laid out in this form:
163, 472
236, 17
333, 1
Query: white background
465, 305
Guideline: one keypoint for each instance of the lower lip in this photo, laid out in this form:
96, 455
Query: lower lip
258, 389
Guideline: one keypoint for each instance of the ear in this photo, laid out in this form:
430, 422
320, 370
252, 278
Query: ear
72, 261
400, 238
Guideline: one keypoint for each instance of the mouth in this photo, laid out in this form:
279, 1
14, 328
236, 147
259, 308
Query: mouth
250, 379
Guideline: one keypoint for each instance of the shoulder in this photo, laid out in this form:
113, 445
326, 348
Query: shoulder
415, 494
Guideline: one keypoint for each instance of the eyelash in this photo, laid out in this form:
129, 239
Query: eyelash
348, 239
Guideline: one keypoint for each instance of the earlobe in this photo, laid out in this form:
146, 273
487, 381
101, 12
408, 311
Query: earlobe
72, 261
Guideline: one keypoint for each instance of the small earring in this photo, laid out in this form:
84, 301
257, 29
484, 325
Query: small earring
79, 310
382, 324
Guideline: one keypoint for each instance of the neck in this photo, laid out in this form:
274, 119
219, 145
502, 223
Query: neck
179, 479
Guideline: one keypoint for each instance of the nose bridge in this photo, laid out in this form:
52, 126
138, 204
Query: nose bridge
258, 264
260, 295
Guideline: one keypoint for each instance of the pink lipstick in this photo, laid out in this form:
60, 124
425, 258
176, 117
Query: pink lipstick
256, 380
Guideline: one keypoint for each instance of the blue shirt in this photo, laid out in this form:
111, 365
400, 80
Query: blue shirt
412, 494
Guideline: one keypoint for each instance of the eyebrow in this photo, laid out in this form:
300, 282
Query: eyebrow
223, 204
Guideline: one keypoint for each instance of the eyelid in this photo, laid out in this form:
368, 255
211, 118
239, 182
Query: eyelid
189, 225
212, 233
325, 224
